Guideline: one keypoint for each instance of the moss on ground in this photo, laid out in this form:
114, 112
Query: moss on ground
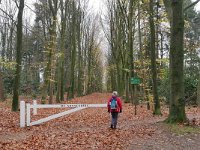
182, 129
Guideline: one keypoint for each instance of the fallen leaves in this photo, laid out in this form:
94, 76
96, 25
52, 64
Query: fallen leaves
85, 129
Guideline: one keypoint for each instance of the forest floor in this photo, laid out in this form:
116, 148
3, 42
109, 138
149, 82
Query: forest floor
89, 129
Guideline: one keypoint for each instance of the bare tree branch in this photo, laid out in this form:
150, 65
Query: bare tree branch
194, 3
14, 21
10, 16
16, 3
30, 8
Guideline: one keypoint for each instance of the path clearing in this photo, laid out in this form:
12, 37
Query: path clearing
89, 129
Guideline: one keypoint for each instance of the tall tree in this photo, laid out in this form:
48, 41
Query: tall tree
130, 47
71, 91
177, 103
60, 84
153, 58
118, 38
15, 104
49, 75
53, 34
80, 60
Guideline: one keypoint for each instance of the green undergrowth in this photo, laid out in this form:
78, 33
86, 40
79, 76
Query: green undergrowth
182, 129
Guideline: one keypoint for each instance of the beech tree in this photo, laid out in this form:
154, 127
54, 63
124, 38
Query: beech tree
177, 102
60, 72
153, 58
15, 104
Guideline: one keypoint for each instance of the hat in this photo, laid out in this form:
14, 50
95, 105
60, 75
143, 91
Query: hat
114, 93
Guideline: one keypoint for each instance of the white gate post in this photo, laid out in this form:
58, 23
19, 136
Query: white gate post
34, 108
22, 114
28, 114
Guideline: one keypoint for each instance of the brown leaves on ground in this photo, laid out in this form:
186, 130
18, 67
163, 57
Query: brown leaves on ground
85, 129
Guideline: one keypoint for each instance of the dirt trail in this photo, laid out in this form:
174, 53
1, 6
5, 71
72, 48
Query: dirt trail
163, 139
89, 129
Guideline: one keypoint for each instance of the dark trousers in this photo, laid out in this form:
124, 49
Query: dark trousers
114, 119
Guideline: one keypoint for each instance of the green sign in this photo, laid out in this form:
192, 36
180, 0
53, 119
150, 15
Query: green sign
135, 80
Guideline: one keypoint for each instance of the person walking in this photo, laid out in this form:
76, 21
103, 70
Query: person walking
114, 107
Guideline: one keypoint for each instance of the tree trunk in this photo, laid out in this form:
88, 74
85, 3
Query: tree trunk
127, 87
71, 92
130, 47
61, 80
141, 55
9, 50
80, 60
168, 8
153, 59
2, 97
49, 75
15, 104
53, 35
3, 41
89, 74
177, 103
198, 92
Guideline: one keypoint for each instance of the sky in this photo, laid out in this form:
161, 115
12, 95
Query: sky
95, 5
197, 7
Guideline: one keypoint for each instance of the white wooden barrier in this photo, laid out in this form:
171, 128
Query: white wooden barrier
22, 113
35, 108
25, 111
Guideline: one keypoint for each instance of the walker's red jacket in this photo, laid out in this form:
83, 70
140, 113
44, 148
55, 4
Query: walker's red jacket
119, 105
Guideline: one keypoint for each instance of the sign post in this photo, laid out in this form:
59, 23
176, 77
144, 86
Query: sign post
135, 80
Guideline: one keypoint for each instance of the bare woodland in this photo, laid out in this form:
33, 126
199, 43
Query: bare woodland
147, 50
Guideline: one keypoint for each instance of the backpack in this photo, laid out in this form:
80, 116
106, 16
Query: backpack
113, 103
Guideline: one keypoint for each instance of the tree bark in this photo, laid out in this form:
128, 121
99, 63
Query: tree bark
2, 96
53, 35
71, 91
168, 8
177, 102
153, 59
198, 92
61, 80
49, 75
15, 104
130, 46
80, 60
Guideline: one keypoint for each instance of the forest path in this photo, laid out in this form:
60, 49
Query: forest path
89, 129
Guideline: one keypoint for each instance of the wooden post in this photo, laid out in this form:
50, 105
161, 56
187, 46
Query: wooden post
28, 114
135, 98
22, 114
34, 108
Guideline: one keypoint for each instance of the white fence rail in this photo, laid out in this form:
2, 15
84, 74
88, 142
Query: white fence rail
25, 111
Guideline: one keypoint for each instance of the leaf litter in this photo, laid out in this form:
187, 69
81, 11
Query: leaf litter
88, 128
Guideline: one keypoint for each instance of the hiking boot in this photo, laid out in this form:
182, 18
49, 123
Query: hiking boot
111, 126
